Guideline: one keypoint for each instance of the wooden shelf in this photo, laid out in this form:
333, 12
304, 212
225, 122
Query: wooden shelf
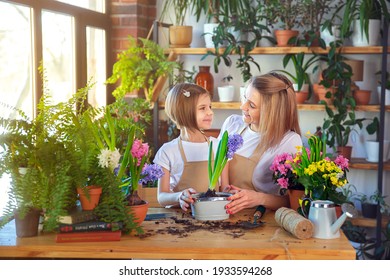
284, 50
361, 163
367, 222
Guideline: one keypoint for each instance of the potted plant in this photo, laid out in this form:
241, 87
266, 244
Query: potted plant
142, 66
357, 236
211, 204
226, 92
180, 35
372, 146
289, 13
301, 79
387, 87
369, 204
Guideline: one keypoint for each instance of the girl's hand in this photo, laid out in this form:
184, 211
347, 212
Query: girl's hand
185, 198
241, 199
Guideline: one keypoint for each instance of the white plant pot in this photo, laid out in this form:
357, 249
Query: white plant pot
358, 37
226, 93
305, 87
387, 95
242, 94
372, 150
328, 38
210, 208
208, 30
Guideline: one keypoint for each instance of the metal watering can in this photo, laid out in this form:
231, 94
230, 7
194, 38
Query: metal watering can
322, 214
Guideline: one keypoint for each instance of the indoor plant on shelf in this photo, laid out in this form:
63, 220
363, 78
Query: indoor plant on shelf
142, 66
372, 146
211, 204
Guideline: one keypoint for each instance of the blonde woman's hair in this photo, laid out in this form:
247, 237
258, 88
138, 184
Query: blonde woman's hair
180, 105
278, 108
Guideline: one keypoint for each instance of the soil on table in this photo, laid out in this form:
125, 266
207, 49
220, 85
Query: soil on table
183, 227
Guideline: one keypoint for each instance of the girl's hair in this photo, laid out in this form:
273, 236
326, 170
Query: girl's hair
278, 108
180, 104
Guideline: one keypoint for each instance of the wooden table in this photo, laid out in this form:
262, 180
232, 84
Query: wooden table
168, 239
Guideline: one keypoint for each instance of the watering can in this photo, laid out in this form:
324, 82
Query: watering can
323, 216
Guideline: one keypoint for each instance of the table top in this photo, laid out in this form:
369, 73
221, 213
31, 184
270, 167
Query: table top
182, 237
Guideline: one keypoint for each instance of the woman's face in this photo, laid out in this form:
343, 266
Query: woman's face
204, 114
251, 107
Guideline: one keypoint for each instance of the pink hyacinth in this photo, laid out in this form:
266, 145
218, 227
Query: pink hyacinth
138, 150
342, 162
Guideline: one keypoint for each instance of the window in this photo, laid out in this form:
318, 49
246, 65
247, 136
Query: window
69, 36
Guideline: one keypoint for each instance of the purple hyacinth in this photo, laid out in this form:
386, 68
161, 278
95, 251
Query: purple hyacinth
150, 173
235, 142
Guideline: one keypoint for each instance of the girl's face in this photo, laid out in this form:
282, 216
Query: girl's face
251, 107
204, 114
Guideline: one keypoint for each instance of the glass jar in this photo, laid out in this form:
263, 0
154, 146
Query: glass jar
205, 79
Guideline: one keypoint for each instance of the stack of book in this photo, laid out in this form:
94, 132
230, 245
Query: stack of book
81, 226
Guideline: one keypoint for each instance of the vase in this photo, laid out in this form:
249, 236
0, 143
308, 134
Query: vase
139, 212
27, 226
205, 79
294, 197
210, 208
89, 203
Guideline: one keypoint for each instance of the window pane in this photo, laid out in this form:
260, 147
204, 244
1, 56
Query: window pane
58, 54
94, 5
15, 57
96, 57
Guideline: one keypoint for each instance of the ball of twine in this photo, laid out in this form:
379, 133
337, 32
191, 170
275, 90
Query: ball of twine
294, 223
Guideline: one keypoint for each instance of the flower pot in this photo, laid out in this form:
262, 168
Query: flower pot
208, 30
358, 37
226, 93
210, 208
294, 196
180, 36
362, 97
139, 212
327, 37
387, 95
372, 150
345, 151
283, 36
369, 210
94, 196
321, 91
27, 226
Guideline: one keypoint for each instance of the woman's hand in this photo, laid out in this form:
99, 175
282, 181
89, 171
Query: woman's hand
241, 199
185, 198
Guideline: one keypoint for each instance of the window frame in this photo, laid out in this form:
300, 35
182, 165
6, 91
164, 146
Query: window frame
82, 18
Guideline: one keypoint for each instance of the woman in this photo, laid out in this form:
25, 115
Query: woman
269, 126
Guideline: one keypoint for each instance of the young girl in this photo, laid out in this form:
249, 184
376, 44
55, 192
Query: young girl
184, 159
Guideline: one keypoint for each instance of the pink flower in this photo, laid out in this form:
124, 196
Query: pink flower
138, 150
342, 162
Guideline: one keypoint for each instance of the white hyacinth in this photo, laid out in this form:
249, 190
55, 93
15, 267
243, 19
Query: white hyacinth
109, 158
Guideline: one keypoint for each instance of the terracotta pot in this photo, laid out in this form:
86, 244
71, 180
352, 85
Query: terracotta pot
283, 36
29, 224
301, 96
345, 151
94, 196
139, 212
294, 197
321, 91
362, 97
180, 36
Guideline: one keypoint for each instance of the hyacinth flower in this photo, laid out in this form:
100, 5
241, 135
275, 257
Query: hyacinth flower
225, 151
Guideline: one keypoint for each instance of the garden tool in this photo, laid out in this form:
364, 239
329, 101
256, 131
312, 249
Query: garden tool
259, 212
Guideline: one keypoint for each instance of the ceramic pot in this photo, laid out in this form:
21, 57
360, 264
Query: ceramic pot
345, 151
294, 196
180, 36
210, 208
321, 92
372, 150
369, 210
283, 36
361, 96
226, 93
327, 37
387, 95
208, 31
139, 212
94, 196
28, 225
358, 37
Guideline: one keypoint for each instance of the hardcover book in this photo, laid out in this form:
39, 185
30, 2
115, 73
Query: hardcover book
77, 216
89, 226
90, 236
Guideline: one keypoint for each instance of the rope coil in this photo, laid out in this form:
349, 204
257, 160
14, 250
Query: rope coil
294, 223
